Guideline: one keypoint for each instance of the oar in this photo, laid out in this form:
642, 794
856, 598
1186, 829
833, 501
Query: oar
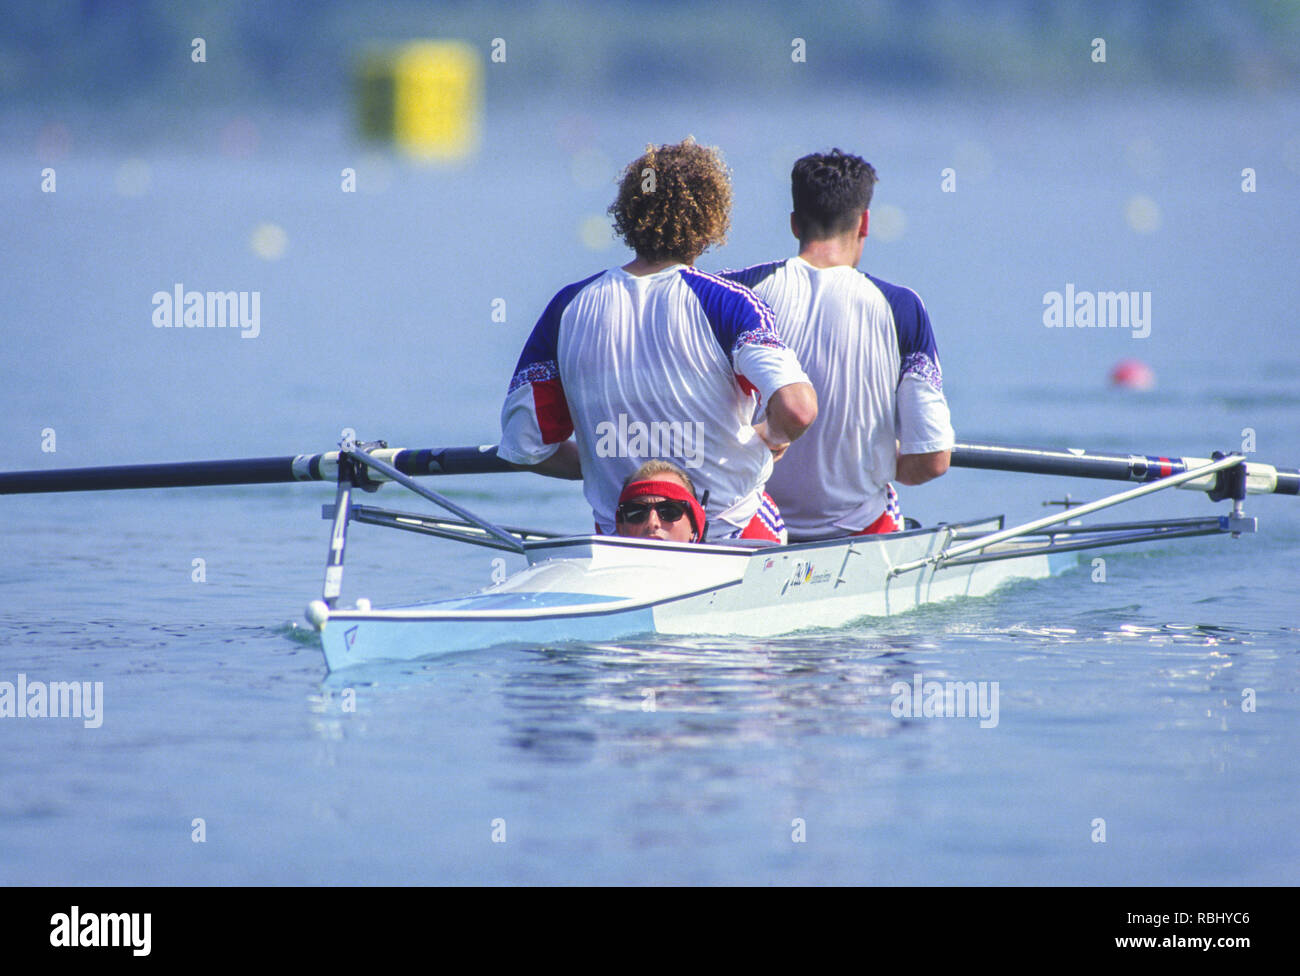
1261, 479
249, 471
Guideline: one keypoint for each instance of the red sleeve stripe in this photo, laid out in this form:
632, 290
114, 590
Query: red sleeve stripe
552, 411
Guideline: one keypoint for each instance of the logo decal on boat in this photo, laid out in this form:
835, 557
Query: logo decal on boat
350, 635
803, 574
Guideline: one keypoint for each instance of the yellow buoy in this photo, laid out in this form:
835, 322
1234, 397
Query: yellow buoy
425, 96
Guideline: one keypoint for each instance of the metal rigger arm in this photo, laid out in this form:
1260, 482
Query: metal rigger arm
1229, 485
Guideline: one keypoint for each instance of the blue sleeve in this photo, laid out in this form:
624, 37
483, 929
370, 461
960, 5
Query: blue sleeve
538, 361
736, 315
917, 352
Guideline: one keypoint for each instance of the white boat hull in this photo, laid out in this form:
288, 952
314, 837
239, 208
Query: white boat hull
601, 588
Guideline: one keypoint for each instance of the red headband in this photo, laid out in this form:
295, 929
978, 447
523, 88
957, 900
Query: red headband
668, 489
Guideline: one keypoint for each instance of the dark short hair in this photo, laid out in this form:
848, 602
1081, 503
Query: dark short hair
830, 191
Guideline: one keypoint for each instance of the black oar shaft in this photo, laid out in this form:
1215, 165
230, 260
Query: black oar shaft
484, 460
243, 471
246, 471
1089, 464
452, 460
1032, 460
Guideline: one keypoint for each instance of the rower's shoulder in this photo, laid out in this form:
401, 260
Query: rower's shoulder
712, 289
895, 294
562, 298
573, 288
753, 275
911, 320
549, 321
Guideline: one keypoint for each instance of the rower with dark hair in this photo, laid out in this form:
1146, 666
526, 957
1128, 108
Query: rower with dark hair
870, 352
657, 359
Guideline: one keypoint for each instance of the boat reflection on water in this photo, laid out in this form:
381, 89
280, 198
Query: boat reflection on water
575, 702
578, 701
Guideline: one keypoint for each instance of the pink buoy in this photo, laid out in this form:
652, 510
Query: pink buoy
1133, 374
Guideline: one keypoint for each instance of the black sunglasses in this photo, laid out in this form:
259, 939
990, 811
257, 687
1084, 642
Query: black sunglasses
634, 513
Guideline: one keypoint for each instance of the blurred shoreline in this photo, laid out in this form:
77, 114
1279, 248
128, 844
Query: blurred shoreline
101, 54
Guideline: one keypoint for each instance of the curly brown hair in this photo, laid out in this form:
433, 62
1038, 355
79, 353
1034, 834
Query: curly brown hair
678, 209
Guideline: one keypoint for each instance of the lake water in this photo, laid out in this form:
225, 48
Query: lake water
767, 762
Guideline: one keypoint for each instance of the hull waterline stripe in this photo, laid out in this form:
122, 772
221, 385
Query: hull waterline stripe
535, 613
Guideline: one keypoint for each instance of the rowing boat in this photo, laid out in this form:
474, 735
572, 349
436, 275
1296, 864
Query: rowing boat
601, 588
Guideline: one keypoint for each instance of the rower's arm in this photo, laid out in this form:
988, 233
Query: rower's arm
564, 463
790, 412
925, 435
917, 469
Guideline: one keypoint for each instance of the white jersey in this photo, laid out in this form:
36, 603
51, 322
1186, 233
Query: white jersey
670, 365
869, 350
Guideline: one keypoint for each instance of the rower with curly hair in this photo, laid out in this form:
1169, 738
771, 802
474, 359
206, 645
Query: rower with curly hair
656, 359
